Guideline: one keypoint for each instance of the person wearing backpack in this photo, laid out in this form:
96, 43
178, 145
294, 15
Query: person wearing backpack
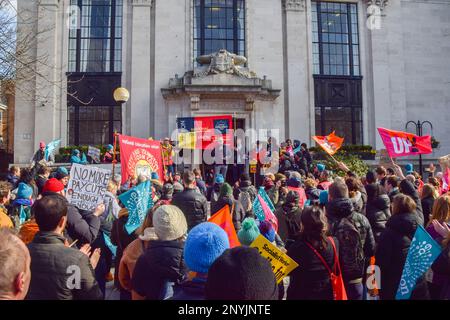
317, 257
354, 233
288, 217
245, 193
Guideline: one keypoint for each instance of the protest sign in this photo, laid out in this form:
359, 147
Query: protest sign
94, 153
87, 186
281, 263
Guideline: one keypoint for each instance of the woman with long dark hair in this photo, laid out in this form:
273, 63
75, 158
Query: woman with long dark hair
311, 279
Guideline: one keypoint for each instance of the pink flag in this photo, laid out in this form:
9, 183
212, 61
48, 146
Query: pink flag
268, 213
401, 144
446, 181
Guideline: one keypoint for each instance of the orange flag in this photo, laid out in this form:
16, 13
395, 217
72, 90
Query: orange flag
223, 219
331, 143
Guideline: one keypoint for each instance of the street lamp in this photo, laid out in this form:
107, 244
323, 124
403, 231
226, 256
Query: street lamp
419, 131
121, 95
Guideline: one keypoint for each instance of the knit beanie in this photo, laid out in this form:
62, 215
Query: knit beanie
323, 197
61, 173
169, 223
24, 191
154, 176
320, 167
42, 144
109, 147
241, 273
249, 232
219, 179
267, 230
204, 244
226, 190
409, 168
53, 185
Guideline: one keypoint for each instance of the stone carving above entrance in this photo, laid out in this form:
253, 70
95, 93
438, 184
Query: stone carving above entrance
294, 5
223, 62
380, 3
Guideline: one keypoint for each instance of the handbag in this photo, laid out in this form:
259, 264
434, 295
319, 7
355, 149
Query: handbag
337, 282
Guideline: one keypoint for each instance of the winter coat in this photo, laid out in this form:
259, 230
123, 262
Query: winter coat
311, 279
5, 220
427, 207
301, 194
408, 188
288, 222
273, 195
51, 262
339, 209
194, 206
161, 262
245, 186
441, 272
392, 250
358, 203
238, 213
40, 182
201, 185
213, 192
13, 180
82, 225
394, 192
378, 213
190, 290
312, 193
128, 262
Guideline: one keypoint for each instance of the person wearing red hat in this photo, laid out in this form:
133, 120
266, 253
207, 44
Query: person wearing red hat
39, 160
53, 185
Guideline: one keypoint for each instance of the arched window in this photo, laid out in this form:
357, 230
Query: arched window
219, 24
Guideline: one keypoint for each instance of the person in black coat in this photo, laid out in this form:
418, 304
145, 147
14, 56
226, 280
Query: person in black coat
407, 188
191, 202
311, 279
427, 200
393, 247
289, 215
42, 177
83, 225
441, 267
226, 198
378, 210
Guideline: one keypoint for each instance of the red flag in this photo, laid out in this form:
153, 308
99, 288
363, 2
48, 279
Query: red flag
331, 143
402, 144
140, 156
223, 219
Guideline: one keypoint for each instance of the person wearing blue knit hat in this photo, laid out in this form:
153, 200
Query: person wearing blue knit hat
323, 198
204, 244
267, 230
409, 168
21, 206
321, 167
219, 179
62, 175
108, 157
249, 232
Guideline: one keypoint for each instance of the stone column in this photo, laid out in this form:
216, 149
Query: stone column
297, 71
140, 68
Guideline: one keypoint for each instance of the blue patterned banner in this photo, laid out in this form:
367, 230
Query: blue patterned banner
421, 255
258, 210
138, 201
109, 244
50, 148
266, 198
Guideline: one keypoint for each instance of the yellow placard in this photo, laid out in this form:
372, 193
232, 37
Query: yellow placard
281, 263
187, 140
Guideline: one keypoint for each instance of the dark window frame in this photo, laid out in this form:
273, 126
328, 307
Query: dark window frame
201, 39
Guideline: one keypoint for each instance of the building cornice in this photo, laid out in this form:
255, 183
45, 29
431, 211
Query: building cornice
294, 5
142, 3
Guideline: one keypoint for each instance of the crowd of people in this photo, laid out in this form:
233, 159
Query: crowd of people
52, 250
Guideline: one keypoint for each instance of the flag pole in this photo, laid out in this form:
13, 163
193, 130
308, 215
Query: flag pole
114, 154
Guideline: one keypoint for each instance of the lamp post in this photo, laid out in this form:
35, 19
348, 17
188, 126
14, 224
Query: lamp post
419, 131
121, 95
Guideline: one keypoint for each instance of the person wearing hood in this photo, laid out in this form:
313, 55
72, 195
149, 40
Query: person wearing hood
393, 247
131, 254
108, 157
355, 194
21, 206
355, 236
77, 157
408, 188
162, 262
294, 184
226, 198
240, 274
289, 218
312, 193
245, 193
211, 241
271, 189
378, 209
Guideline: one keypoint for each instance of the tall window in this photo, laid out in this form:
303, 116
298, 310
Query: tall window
97, 45
219, 24
335, 38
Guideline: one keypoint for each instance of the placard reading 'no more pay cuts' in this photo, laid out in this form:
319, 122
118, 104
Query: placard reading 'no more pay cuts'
87, 186
281, 263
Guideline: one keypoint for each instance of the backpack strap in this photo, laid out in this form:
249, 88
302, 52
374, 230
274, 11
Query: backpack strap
320, 257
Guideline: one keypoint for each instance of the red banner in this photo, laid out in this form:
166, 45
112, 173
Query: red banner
140, 156
402, 144
331, 143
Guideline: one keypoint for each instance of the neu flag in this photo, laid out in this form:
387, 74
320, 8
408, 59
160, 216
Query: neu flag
202, 132
266, 198
50, 148
223, 219
140, 156
109, 244
331, 143
402, 144
138, 201
421, 255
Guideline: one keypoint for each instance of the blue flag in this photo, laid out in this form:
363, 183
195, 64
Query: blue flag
258, 210
50, 148
421, 255
138, 201
266, 198
109, 244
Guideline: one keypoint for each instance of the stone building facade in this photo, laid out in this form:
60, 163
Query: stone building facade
351, 66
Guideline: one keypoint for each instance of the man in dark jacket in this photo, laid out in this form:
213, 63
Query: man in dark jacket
352, 230
289, 218
407, 188
191, 202
59, 272
378, 210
